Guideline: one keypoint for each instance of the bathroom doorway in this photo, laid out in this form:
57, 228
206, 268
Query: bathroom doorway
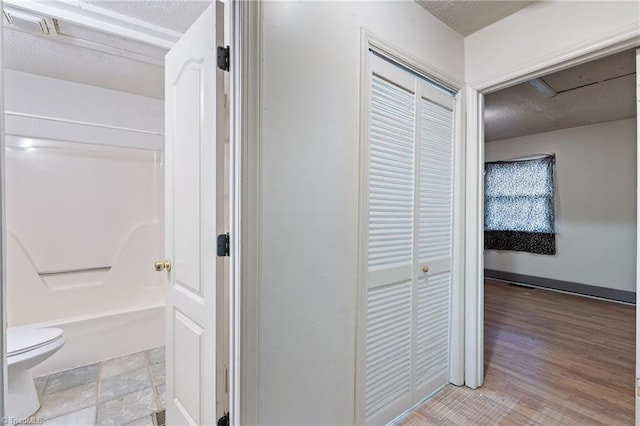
85, 205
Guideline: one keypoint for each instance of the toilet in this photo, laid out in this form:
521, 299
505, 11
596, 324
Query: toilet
26, 348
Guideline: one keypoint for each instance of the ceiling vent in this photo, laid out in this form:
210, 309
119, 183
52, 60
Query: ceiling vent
30, 23
81, 35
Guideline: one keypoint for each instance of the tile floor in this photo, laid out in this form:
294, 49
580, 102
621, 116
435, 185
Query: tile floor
119, 391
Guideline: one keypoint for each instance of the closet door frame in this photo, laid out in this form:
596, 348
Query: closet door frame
371, 42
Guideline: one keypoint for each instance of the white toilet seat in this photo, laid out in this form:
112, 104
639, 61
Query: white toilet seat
21, 340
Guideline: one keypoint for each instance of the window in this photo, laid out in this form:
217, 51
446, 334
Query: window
518, 213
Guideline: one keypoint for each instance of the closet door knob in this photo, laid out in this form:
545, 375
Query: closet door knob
163, 265
425, 269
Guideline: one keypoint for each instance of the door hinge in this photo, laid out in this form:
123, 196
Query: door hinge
224, 420
223, 58
223, 245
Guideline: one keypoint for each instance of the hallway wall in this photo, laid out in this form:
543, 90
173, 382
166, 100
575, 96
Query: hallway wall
310, 168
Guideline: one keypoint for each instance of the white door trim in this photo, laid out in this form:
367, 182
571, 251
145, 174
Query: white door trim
246, 190
3, 233
456, 343
622, 39
235, 214
474, 228
637, 380
370, 41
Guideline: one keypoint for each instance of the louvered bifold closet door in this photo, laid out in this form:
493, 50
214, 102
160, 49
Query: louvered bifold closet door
390, 237
408, 169
435, 208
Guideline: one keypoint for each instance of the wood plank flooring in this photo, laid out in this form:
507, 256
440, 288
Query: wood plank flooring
550, 359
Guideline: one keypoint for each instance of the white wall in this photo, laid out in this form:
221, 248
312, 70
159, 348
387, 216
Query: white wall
50, 97
595, 205
541, 30
309, 163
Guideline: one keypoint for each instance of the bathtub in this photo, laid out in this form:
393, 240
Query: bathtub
104, 314
107, 335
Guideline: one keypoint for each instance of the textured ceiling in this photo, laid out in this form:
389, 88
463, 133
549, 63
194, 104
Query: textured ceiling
596, 92
41, 56
44, 56
174, 15
466, 17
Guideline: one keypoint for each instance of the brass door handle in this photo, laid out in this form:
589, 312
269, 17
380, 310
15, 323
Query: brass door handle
163, 265
425, 269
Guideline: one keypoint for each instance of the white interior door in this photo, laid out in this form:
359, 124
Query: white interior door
194, 149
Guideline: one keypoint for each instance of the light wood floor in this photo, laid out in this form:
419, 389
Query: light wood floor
550, 359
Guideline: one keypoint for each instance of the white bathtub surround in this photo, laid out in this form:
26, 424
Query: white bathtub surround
119, 391
91, 248
85, 218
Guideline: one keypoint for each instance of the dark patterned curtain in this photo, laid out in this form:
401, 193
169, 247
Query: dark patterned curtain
518, 209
